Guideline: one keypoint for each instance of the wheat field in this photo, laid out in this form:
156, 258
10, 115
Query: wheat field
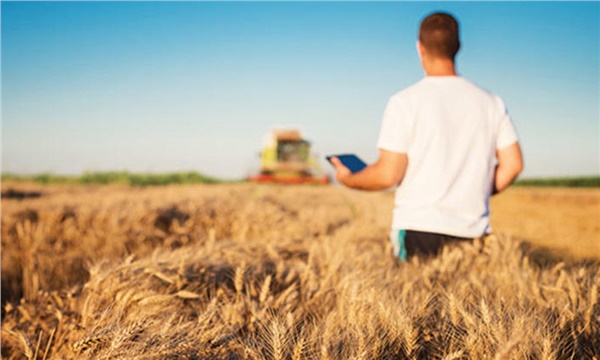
244, 271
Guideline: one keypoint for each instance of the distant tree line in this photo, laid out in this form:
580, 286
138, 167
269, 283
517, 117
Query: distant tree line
581, 181
118, 177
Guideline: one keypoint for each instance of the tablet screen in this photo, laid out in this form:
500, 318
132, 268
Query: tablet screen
351, 161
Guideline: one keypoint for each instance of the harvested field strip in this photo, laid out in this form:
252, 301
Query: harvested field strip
566, 222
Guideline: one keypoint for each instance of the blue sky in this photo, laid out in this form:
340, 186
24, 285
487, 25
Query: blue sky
156, 86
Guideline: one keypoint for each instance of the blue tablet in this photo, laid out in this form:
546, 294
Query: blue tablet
351, 161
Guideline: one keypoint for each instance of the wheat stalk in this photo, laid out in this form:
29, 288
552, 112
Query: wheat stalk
593, 300
238, 280
49, 343
264, 290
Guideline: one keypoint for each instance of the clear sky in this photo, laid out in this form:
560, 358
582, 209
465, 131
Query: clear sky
158, 86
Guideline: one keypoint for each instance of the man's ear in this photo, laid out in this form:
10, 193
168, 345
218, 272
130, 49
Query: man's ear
420, 50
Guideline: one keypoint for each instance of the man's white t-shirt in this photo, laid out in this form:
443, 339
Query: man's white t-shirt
450, 130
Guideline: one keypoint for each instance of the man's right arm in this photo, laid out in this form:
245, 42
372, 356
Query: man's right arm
510, 165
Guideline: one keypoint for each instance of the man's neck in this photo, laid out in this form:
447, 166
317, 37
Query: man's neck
440, 67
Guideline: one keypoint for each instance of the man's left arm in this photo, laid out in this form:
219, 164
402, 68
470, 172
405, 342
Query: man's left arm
388, 171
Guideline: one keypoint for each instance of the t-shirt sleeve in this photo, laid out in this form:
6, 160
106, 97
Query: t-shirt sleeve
507, 135
394, 133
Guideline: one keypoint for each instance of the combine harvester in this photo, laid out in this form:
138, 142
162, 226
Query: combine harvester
286, 159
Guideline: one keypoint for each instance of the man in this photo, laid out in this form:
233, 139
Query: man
447, 144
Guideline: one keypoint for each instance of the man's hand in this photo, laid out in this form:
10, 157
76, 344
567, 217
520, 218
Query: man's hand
342, 172
388, 171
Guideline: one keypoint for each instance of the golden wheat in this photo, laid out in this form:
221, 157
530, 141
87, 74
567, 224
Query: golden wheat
267, 272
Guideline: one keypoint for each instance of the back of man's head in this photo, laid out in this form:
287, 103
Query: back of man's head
439, 35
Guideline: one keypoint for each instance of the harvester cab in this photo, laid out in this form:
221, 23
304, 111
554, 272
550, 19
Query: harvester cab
286, 158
